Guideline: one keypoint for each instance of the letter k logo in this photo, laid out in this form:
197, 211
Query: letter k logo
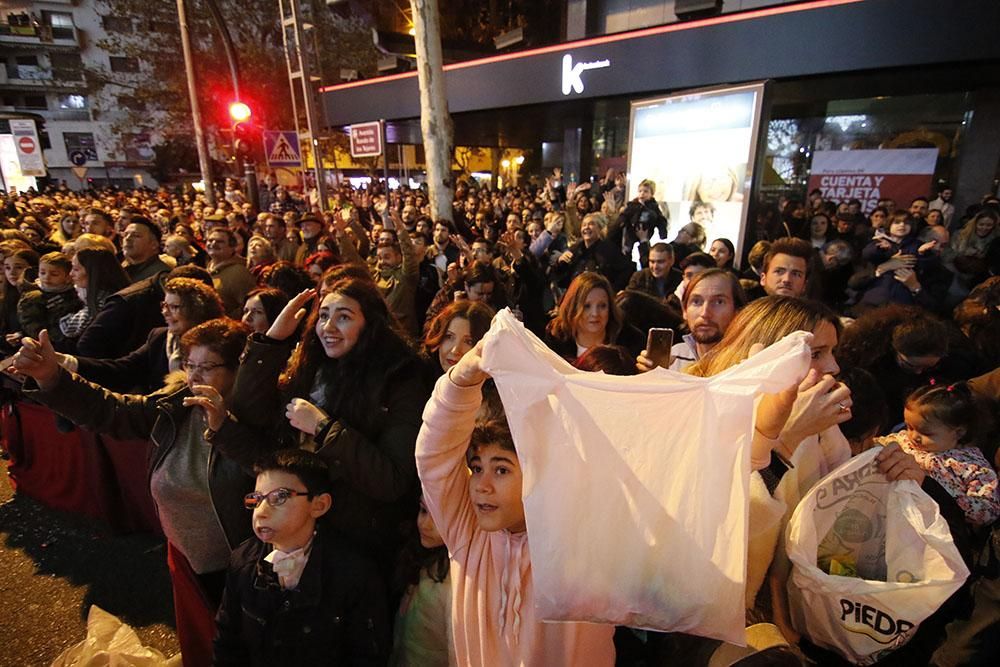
572, 75
571, 80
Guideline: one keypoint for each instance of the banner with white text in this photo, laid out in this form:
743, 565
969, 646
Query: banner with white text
900, 174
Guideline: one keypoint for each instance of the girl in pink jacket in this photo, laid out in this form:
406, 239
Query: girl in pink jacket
481, 518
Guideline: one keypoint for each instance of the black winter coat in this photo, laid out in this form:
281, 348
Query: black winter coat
335, 616
371, 455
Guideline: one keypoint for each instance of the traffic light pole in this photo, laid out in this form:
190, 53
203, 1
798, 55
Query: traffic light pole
204, 161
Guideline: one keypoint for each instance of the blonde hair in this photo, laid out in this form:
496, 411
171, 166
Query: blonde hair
764, 321
93, 242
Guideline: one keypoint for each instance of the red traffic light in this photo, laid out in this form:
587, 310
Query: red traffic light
239, 112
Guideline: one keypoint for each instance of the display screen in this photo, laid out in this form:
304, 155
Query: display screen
698, 149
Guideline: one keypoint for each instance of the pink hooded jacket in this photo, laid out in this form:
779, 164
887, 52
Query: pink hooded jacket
492, 594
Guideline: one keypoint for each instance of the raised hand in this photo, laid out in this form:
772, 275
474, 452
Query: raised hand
288, 320
304, 416
469, 372
37, 359
210, 400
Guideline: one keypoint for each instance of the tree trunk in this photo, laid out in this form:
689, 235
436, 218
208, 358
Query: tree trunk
435, 123
204, 159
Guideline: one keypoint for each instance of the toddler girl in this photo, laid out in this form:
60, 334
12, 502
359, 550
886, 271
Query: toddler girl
940, 434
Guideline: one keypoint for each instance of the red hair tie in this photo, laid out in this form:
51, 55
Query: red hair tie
933, 382
951, 387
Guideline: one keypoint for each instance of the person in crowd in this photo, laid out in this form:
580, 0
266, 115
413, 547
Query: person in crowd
479, 281
141, 248
608, 359
588, 315
260, 255
37, 235
423, 632
819, 230
978, 317
838, 266
918, 208
640, 219
869, 412
904, 347
19, 262
691, 266
180, 249
67, 230
54, 298
786, 269
660, 278
455, 331
96, 221
893, 285
397, 270
287, 277
313, 238
711, 301
481, 520
524, 278
593, 253
443, 252
274, 230
942, 431
353, 391
336, 602
723, 252
186, 304
229, 272
187, 475
689, 239
943, 204
968, 250
262, 307
96, 274
318, 263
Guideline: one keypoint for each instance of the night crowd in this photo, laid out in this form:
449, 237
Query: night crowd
323, 371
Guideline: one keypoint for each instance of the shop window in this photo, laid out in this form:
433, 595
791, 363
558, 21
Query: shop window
121, 64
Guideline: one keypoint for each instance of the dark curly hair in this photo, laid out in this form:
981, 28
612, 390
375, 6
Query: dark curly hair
909, 330
199, 303
224, 336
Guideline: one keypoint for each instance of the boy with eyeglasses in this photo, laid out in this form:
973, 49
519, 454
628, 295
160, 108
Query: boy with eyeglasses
294, 594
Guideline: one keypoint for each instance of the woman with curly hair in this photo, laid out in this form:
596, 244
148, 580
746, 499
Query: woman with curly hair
455, 331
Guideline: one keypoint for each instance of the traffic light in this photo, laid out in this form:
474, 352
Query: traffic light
239, 112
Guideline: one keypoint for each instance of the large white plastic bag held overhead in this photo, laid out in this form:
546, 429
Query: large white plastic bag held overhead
864, 619
635, 488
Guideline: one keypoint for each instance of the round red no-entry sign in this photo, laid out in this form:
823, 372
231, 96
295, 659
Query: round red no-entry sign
26, 144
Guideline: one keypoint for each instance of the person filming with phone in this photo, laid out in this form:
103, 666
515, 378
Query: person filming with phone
711, 301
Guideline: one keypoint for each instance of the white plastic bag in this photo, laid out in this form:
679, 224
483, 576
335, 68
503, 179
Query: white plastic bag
891, 529
111, 643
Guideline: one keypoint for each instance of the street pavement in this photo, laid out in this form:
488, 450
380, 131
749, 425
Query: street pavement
54, 565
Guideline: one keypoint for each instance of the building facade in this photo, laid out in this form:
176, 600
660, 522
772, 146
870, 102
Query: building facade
53, 62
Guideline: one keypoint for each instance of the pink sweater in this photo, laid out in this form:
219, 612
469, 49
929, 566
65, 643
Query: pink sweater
492, 593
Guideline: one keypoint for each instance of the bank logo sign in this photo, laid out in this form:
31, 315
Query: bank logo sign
572, 75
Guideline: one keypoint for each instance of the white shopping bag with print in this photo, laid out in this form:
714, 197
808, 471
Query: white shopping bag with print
893, 550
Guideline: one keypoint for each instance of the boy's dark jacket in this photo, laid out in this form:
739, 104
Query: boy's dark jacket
336, 615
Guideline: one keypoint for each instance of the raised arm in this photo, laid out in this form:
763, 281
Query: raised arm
449, 419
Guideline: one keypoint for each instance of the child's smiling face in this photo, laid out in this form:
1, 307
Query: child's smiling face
495, 489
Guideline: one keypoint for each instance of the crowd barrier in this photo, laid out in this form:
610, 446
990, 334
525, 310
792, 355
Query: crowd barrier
78, 471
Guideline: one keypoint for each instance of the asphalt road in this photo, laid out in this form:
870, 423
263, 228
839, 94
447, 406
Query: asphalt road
54, 565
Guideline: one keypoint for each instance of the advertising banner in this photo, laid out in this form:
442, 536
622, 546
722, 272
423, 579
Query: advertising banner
698, 148
29, 151
900, 174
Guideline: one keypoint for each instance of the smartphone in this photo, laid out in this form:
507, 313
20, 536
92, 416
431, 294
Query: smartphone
658, 344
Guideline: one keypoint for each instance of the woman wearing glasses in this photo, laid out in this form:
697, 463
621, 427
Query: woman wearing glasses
198, 491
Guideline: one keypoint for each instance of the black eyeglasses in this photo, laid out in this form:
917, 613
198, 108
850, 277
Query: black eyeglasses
274, 498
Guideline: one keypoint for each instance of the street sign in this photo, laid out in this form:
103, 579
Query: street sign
366, 139
29, 153
282, 148
79, 158
80, 172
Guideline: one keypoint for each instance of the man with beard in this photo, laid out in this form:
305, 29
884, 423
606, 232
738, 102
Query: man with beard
311, 227
710, 303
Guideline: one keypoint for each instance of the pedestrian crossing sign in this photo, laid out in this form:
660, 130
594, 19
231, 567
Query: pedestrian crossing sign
282, 148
